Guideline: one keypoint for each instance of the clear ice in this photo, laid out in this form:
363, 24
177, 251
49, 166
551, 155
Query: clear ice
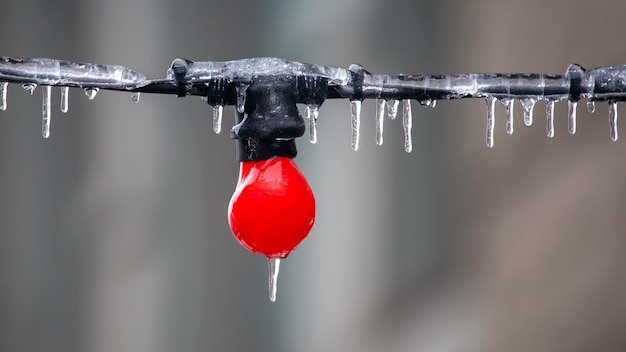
591, 106
491, 121
508, 104
236, 70
29, 87
135, 96
242, 89
56, 72
3, 95
429, 103
380, 119
46, 108
218, 111
311, 112
91, 92
274, 267
528, 104
64, 99
392, 108
571, 116
613, 120
355, 121
550, 118
407, 124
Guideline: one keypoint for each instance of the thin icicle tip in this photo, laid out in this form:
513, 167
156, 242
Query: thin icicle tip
64, 99
613, 120
274, 268
508, 104
528, 104
218, 111
46, 108
311, 111
392, 108
550, 118
29, 87
3, 95
242, 90
407, 124
91, 92
491, 121
591, 106
571, 116
380, 120
355, 123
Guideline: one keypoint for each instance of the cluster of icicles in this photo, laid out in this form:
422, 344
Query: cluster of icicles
311, 113
390, 107
528, 105
392, 111
46, 104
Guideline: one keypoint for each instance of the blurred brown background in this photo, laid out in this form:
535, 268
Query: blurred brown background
113, 233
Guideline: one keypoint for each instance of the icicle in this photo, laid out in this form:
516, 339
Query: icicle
91, 92
392, 108
528, 104
591, 106
46, 108
274, 266
407, 123
218, 111
491, 121
571, 116
429, 103
135, 96
508, 104
3, 95
550, 118
311, 112
380, 118
30, 87
64, 99
241, 97
355, 110
613, 120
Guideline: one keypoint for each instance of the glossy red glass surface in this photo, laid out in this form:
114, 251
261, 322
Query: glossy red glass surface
273, 208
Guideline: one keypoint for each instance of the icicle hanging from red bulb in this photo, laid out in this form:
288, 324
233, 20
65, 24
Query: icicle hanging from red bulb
272, 210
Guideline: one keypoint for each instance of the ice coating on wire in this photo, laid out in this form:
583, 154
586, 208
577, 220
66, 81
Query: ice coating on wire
245, 69
52, 72
604, 83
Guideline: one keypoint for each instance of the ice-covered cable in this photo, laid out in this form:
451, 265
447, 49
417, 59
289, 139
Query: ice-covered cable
225, 83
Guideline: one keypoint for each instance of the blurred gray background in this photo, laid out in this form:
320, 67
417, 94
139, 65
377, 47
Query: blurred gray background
114, 236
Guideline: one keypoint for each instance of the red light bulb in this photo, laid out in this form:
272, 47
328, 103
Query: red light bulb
272, 210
